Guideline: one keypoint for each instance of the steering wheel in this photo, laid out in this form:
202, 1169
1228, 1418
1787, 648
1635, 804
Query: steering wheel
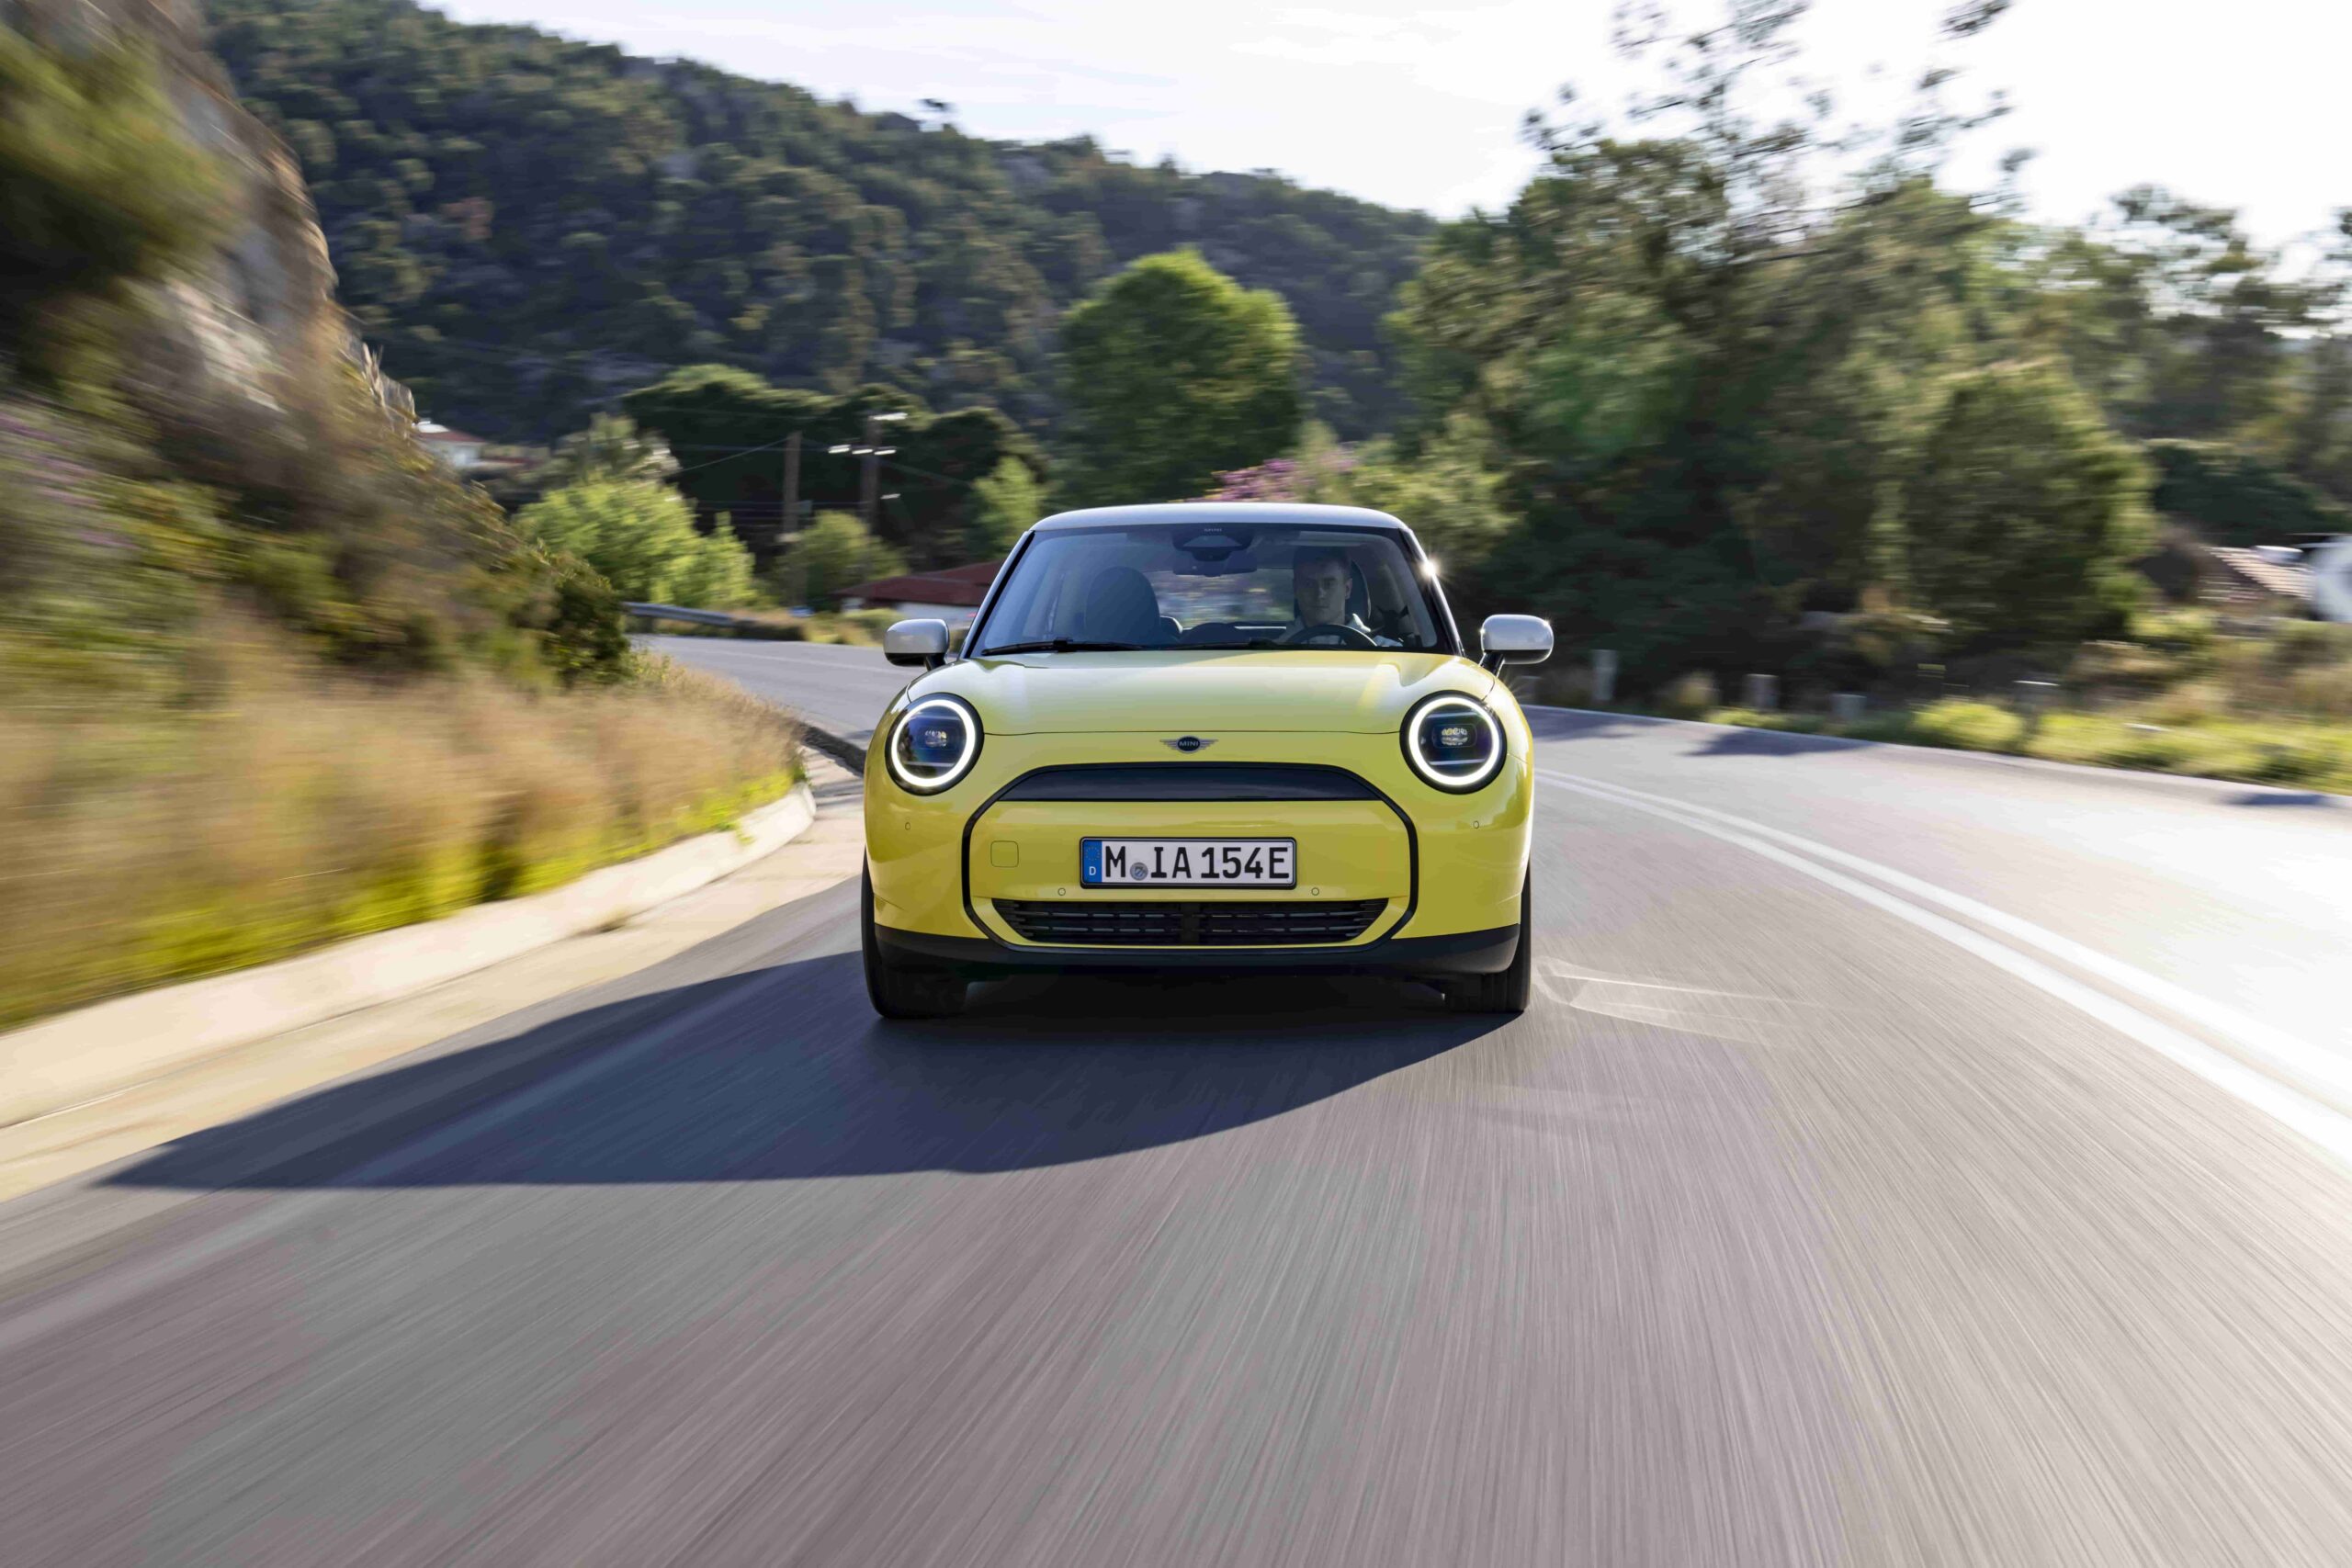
1330, 634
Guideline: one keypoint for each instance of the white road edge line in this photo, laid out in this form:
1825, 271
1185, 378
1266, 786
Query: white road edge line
113, 1288
2329, 1070
2328, 1128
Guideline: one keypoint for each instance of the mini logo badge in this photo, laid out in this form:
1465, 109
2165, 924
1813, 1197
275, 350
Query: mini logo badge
1188, 744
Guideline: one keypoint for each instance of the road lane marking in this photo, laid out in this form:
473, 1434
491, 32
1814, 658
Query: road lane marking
2330, 1069
1570, 972
2322, 1124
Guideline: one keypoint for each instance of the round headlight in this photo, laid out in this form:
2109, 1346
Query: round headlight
933, 744
1454, 741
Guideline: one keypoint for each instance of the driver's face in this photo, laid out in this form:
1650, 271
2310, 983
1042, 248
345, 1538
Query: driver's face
1321, 585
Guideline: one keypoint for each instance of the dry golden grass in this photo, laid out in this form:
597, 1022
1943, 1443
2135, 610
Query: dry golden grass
293, 808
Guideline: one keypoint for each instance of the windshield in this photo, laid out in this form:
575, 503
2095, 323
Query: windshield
1211, 584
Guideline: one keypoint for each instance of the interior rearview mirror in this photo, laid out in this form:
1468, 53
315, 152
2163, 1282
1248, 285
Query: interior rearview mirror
925, 643
1514, 640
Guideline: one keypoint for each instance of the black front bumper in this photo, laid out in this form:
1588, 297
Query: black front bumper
1463, 953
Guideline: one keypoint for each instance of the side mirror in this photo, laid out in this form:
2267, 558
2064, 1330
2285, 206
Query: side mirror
1514, 640
925, 643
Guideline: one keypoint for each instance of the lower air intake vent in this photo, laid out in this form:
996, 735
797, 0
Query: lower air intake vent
1189, 924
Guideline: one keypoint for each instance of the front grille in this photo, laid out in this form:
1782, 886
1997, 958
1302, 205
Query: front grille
1190, 780
1191, 923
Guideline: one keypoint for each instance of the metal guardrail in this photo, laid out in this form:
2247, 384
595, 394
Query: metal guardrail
840, 748
680, 613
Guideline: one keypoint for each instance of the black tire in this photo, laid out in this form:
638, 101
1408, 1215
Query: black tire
1506, 990
902, 990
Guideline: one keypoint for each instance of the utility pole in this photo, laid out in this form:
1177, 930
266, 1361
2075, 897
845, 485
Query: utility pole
790, 520
870, 485
869, 482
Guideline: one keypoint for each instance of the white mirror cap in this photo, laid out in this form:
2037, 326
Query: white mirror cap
915, 642
1516, 640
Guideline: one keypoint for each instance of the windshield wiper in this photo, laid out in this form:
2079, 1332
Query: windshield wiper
1061, 645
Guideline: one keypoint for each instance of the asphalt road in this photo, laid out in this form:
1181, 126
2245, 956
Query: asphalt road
843, 690
1910, 1159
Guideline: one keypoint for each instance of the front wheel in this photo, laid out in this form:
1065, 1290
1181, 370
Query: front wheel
1509, 989
902, 990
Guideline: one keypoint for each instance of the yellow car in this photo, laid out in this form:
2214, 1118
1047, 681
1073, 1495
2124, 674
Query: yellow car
1202, 737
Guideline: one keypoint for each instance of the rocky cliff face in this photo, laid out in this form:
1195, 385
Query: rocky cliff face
191, 436
254, 321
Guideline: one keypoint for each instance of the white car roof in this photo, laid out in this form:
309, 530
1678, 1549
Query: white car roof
1225, 511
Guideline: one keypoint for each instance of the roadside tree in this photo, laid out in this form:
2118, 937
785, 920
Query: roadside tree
833, 553
1006, 502
2025, 510
639, 536
1172, 373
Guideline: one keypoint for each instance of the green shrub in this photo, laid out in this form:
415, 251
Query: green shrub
1887, 724
2127, 669
1789, 723
2299, 760
2156, 750
2237, 498
1689, 695
1969, 726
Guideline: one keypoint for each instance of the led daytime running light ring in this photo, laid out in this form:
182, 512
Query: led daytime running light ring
1454, 784
963, 763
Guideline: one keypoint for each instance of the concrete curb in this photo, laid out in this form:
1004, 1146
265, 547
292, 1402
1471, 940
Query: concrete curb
107, 1046
840, 748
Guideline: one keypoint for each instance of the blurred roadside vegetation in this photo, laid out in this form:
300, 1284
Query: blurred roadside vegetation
268, 677
844, 628
1733, 387
302, 804
1729, 387
2274, 708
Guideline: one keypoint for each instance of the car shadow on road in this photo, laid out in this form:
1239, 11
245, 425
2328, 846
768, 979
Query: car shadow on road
1772, 743
2274, 797
1577, 724
800, 1081
1707, 740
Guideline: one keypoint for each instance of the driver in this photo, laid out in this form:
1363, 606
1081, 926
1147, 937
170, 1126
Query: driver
1318, 583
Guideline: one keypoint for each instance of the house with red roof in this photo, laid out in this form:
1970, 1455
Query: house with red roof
456, 450
952, 595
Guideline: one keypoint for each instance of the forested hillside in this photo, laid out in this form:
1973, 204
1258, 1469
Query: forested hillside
530, 226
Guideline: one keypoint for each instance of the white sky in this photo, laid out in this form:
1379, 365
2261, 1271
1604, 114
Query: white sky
2239, 104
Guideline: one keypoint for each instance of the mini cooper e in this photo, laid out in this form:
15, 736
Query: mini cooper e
1202, 736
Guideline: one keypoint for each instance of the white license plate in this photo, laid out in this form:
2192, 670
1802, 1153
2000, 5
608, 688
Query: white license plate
1188, 862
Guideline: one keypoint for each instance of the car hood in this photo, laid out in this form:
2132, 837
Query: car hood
1201, 693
